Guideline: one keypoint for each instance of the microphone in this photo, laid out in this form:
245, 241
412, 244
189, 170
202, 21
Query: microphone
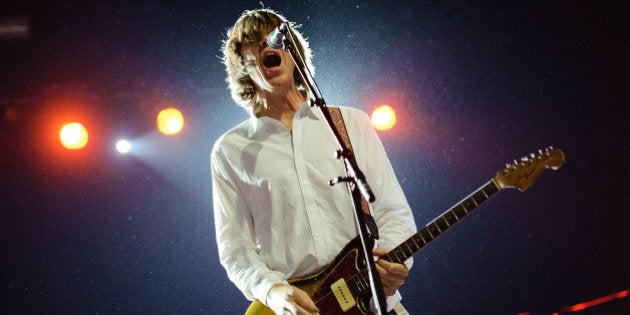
276, 37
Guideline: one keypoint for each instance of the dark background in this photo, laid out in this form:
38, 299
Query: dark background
475, 86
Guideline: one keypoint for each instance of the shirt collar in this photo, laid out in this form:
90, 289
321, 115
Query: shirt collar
261, 124
307, 111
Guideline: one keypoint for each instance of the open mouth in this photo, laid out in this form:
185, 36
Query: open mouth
271, 60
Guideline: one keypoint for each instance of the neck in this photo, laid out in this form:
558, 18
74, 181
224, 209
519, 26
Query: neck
282, 105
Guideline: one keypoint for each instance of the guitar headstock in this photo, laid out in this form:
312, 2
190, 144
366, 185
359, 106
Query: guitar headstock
522, 174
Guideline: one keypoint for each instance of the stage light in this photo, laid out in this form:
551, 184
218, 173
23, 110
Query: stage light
123, 146
170, 121
73, 136
383, 117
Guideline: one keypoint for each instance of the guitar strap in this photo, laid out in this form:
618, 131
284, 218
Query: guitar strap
337, 118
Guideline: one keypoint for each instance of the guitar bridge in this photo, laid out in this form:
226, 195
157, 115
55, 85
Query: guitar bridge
342, 293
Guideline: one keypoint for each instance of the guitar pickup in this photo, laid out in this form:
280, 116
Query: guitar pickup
342, 293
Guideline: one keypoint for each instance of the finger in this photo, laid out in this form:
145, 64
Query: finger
393, 268
390, 282
379, 252
387, 280
301, 298
290, 309
303, 311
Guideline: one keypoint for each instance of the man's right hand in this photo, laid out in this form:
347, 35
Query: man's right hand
285, 299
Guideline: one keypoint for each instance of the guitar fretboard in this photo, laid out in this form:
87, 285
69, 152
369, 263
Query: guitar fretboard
436, 227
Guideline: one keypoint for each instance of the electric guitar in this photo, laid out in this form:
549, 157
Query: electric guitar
343, 286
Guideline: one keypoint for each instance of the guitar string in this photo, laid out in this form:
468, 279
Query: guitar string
424, 234
358, 279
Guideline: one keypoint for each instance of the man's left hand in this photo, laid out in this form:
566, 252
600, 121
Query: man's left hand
392, 275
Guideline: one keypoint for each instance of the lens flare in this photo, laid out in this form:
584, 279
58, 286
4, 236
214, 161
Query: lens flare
384, 117
123, 146
73, 136
170, 121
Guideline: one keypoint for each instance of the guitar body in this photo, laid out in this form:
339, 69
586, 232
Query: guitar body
345, 266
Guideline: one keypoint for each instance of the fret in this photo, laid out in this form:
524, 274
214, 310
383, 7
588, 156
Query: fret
415, 243
490, 189
431, 228
409, 254
428, 231
483, 191
437, 227
448, 225
436, 230
443, 226
427, 234
480, 197
423, 240
412, 251
411, 245
468, 205
395, 258
460, 211
455, 214
400, 255
450, 218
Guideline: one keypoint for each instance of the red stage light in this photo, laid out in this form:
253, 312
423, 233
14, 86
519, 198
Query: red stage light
73, 136
582, 306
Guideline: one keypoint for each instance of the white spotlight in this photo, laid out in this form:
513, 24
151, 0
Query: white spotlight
123, 146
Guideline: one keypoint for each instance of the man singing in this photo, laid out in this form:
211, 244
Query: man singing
276, 216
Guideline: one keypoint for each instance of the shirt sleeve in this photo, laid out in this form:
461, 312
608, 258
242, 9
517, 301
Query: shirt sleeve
390, 209
236, 242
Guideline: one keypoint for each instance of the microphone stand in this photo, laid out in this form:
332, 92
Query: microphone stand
354, 177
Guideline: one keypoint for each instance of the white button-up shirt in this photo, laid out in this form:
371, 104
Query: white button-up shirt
276, 216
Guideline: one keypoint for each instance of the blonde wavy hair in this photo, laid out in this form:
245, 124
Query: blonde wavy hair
251, 27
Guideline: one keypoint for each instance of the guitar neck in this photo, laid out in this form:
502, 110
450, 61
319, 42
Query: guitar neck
442, 223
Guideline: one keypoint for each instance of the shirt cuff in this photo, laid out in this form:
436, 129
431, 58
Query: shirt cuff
261, 291
267, 289
390, 302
